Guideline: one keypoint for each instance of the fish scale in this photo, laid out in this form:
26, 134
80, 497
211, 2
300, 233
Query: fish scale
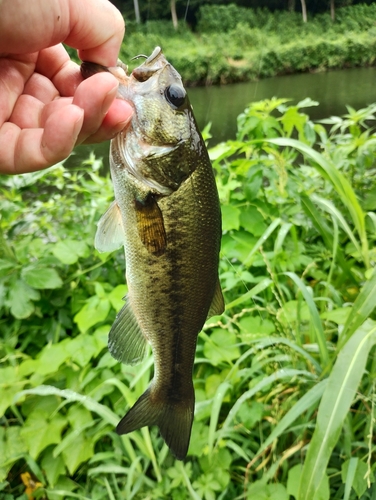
166, 214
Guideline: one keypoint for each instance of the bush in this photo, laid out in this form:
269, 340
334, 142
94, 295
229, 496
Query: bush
237, 44
277, 376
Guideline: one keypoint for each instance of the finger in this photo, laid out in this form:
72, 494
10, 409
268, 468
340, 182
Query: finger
29, 150
96, 96
54, 63
117, 118
41, 88
95, 27
27, 112
13, 75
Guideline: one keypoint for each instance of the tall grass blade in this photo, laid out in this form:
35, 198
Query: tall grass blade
89, 403
363, 306
309, 399
278, 375
322, 227
216, 408
109, 416
329, 207
262, 240
350, 476
343, 187
339, 393
320, 334
265, 283
180, 467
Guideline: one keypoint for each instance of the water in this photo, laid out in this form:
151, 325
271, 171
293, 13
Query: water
332, 89
221, 105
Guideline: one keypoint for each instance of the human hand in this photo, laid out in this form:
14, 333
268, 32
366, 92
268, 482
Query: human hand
46, 108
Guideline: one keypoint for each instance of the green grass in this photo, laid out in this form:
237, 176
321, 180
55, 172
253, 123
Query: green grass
284, 379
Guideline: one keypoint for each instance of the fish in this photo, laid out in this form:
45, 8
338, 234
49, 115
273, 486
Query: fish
166, 215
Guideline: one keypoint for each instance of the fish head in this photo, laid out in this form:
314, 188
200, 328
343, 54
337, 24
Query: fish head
160, 101
158, 145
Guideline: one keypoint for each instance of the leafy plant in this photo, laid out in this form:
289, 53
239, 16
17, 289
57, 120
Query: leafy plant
284, 379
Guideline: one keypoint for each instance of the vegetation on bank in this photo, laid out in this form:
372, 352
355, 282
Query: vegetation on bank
285, 379
233, 44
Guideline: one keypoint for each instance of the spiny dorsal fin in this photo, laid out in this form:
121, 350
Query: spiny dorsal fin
110, 231
126, 342
217, 306
150, 225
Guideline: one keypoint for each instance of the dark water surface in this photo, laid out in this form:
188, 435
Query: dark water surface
222, 104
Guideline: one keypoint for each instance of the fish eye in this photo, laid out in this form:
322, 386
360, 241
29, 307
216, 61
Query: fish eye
175, 95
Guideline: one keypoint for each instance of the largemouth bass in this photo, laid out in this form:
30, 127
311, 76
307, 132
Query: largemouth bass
166, 214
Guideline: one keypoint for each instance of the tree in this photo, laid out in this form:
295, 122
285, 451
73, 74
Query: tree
304, 10
173, 14
332, 10
136, 11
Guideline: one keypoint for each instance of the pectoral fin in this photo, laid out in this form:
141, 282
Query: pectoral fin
126, 342
217, 306
150, 225
110, 232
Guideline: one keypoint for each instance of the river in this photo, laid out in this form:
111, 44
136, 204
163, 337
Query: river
221, 105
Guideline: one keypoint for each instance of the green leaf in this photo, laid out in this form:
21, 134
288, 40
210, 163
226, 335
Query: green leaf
12, 447
221, 347
339, 393
94, 311
252, 220
78, 448
51, 357
338, 315
293, 483
265, 283
89, 403
6, 264
39, 432
307, 401
41, 277
53, 467
363, 306
255, 326
354, 475
20, 297
69, 251
293, 480
316, 321
343, 187
83, 348
261, 491
230, 217
116, 297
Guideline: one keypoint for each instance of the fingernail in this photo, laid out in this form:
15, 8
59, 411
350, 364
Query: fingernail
122, 125
110, 96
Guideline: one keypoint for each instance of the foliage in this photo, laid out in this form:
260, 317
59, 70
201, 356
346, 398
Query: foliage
235, 43
285, 379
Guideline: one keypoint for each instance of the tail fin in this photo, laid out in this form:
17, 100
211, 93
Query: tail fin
174, 420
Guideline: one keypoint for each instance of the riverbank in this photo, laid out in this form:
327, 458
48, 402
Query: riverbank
252, 45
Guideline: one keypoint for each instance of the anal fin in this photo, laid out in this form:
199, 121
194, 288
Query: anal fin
126, 341
110, 231
217, 306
